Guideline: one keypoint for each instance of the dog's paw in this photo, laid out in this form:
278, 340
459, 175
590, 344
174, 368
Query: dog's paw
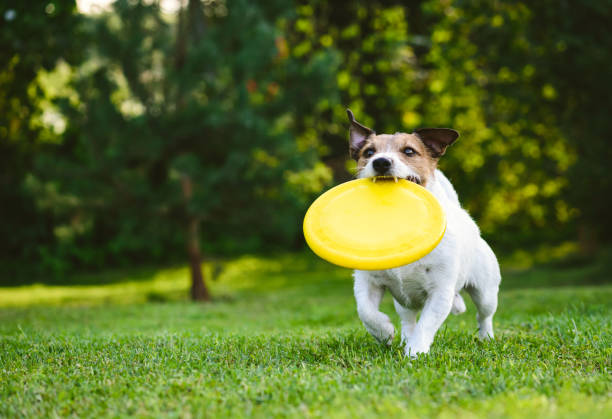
383, 332
413, 350
405, 335
485, 335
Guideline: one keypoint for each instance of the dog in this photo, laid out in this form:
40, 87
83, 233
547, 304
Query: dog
461, 261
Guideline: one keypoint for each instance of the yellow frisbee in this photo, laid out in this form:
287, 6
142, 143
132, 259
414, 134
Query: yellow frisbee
370, 225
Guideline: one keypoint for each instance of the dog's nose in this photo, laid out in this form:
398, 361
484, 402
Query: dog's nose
381, 165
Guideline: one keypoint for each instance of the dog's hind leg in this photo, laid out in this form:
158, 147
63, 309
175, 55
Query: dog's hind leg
458, 305
408, 320
486, 304
483, 288
368, 295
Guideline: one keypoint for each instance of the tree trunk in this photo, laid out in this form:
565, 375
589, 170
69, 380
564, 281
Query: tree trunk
199, 292
190, 22
588, 242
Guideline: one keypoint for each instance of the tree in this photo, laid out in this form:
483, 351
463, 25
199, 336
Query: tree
182, 125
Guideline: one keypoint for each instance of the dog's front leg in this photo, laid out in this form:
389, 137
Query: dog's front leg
437, 308
368, 294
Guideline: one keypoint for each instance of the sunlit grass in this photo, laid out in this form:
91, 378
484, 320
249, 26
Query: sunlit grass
167, 282
137, 286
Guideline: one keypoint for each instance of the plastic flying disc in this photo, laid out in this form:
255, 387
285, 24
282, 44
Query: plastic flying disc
369, 225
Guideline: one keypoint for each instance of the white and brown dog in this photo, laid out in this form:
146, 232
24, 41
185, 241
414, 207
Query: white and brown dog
462, 259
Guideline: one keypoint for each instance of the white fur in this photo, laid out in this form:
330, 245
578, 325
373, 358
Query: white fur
462, 260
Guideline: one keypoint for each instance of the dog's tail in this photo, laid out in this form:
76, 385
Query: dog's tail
458, 305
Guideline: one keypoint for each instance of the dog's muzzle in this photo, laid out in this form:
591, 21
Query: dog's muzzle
381, 165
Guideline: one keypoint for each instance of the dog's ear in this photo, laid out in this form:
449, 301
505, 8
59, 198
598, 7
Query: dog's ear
437, 139
358, 134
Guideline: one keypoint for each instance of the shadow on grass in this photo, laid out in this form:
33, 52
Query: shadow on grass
570, 272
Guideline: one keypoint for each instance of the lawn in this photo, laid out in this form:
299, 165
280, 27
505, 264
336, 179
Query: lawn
283, 339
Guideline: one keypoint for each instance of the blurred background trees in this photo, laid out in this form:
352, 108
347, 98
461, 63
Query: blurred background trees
32, 41
135, 135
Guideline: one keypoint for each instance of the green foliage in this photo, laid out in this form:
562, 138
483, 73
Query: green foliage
33, 35
286, 341
103, 118
201, 101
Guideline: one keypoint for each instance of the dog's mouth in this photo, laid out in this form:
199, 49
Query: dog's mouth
386, 178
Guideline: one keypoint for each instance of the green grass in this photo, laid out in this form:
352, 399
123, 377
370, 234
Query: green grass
283, 339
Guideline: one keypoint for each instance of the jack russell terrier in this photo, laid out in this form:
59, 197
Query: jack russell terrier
461, 261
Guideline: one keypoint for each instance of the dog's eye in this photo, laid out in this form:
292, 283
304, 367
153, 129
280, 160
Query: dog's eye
369, 152
409, 151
